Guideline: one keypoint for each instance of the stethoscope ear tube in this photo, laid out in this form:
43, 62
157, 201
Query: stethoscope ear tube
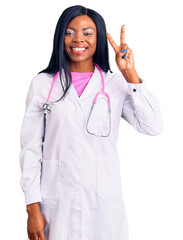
44, 129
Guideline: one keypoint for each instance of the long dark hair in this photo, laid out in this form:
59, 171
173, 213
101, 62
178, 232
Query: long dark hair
59, 59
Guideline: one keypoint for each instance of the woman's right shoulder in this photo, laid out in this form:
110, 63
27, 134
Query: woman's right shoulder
41, 85
42, 78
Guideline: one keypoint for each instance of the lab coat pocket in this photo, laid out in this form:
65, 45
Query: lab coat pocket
108, 176
50, 179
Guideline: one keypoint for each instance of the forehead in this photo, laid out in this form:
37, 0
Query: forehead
81, 22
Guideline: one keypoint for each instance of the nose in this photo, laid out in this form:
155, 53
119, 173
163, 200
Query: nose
78, 37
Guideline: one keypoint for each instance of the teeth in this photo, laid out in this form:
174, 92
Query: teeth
78, 49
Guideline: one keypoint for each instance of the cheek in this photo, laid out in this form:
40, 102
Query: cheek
66, 42
93, 43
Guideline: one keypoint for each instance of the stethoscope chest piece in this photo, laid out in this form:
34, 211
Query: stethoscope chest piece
47, 107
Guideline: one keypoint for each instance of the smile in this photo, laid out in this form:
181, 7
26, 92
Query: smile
78, 50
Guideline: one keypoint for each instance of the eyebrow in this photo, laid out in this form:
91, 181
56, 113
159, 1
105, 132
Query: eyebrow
82, 29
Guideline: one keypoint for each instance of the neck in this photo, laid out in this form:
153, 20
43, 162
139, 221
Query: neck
82, 66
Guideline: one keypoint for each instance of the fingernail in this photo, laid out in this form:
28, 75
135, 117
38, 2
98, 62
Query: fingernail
124, 57
124, 50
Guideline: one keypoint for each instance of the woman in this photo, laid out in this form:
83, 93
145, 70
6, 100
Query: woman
69, 161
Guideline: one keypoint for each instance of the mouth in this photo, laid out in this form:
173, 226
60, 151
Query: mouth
77, 50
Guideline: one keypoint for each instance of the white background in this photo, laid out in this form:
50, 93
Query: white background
151, 166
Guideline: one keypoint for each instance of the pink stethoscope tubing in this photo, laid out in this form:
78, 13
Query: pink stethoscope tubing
47, 106
95, 99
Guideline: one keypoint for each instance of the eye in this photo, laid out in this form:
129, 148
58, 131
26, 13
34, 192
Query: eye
86, 34
68, 33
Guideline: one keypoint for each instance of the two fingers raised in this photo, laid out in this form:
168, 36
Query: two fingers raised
122, 40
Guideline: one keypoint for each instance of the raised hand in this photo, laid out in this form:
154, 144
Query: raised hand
124, 55
124, 58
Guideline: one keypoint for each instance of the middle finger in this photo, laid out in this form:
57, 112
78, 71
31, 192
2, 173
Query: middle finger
122, 37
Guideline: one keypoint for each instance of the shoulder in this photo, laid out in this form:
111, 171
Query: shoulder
116, 77
115, 84
41, 79
42, 84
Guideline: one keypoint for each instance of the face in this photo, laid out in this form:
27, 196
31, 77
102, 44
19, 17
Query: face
80, 39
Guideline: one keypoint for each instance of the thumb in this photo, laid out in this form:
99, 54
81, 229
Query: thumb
119, 56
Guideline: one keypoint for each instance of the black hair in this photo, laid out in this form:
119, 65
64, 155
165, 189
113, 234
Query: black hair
59, 59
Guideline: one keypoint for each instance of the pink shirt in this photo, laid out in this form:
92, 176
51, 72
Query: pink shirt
80, 80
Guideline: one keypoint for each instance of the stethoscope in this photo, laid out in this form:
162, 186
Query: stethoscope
103, 133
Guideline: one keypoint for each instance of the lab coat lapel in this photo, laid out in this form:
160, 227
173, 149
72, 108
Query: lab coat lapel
93, 86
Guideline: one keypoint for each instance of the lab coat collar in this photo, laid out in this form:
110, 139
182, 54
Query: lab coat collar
91, 89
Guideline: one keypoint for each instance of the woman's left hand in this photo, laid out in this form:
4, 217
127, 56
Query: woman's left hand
124, 58
124, 61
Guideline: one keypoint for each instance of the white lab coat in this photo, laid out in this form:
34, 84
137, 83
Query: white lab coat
75, 176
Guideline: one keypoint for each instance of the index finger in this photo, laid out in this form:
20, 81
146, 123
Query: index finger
122, 37
112, 42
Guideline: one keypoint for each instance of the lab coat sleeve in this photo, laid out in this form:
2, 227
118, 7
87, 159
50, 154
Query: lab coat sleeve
31, 147
141, 109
